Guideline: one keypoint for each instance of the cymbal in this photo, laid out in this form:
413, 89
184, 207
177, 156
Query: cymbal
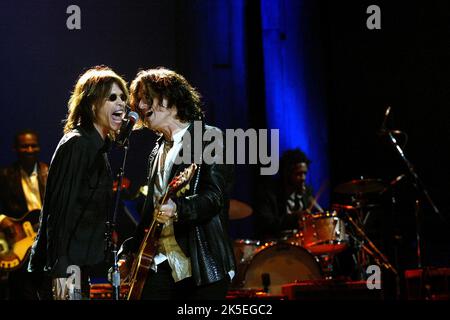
361, 186
239, 210
346, 207
343, 206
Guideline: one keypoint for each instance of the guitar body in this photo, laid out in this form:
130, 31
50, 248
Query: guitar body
16, 238
143, 262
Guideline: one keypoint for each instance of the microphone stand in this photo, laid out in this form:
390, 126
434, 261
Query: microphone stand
111, 235
418, 184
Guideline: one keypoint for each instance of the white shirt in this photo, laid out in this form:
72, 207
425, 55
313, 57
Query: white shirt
30, 187
180, 271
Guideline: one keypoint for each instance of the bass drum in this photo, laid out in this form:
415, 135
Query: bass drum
276, 264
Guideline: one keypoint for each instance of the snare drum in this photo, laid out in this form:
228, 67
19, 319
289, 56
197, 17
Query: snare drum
323, 233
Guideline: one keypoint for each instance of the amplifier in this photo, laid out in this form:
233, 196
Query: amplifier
429, 283
330, 290
104, 291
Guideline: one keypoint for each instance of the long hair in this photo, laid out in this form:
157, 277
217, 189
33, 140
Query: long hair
89, 94
162, 82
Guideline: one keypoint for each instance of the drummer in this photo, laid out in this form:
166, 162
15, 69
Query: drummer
281, 204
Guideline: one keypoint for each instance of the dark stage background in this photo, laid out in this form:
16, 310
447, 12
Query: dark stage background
310, 68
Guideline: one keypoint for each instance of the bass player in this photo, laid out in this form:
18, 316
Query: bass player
22, 187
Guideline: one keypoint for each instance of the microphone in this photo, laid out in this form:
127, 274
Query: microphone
383, 124
126, 128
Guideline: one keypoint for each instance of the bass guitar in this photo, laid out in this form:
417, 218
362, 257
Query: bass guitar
16, 238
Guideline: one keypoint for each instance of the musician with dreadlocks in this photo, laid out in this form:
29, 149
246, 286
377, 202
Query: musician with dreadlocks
282, 204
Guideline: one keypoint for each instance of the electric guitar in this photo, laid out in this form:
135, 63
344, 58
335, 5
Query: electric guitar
143, 260
16, 238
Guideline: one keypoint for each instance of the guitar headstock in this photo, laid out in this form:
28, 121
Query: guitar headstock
180, 183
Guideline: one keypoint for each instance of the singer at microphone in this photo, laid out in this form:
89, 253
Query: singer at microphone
126, 128
79, 187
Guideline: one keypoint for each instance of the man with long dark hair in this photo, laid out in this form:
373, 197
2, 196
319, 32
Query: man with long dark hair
194, 258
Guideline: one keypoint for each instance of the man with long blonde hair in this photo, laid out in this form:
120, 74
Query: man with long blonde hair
78, 196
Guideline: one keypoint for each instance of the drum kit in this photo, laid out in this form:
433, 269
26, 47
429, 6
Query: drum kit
309, 253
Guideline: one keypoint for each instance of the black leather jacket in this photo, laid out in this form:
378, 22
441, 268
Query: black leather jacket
202, 227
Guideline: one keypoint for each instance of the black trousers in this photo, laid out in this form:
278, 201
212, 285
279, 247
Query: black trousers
161, 286
24, 285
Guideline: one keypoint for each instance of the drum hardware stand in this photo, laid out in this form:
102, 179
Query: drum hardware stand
362, 250
359, 204
359, 258
265, 280
326, 261
371, 249
419, 254
366, 218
